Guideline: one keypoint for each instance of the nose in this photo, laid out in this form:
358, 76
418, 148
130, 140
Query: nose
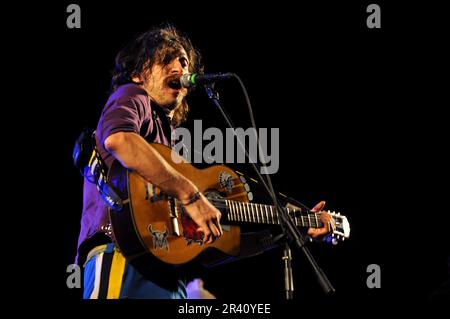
176, 67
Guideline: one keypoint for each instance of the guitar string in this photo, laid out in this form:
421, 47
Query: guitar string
220, 203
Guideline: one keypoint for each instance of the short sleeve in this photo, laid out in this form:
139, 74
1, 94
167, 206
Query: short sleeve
122, 114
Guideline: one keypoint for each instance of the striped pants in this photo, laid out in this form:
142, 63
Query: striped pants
108, 275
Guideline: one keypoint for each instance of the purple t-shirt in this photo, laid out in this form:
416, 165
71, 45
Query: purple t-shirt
128, 110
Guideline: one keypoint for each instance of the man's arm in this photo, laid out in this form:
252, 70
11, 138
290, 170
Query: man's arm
135, 154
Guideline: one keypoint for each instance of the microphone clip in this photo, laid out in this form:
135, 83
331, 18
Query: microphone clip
212, 92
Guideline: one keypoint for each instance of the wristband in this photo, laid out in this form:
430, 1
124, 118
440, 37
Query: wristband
193, 199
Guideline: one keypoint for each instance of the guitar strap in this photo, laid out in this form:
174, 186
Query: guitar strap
91, 165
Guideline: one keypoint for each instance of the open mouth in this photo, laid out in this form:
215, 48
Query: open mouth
174, 83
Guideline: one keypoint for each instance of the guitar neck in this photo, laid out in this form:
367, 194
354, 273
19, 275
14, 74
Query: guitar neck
241, 212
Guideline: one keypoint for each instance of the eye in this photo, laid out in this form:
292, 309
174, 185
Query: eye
184, 62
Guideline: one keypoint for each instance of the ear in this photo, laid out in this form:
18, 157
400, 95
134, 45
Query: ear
137, 79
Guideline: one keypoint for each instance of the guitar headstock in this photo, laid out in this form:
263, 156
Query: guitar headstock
340, 228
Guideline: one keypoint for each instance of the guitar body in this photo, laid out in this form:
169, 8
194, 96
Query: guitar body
153, 223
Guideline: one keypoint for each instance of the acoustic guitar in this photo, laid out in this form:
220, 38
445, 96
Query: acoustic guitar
151, 222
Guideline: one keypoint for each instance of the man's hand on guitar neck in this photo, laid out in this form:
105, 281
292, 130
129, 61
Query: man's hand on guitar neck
205, 215
318, 233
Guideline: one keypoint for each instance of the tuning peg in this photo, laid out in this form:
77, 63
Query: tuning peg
334, 241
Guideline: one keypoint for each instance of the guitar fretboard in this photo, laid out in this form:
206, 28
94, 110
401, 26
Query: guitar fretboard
266, 214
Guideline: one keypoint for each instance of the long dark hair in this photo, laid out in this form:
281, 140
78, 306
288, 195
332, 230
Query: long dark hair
160, 45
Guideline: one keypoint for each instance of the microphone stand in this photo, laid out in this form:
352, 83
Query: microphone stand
293, 235
288, 278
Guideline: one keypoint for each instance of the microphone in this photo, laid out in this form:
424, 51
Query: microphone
188, 80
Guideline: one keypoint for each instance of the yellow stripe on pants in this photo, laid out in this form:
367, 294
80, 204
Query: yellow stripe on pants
116, 275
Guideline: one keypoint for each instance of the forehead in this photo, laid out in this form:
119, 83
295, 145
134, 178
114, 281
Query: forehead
166, 54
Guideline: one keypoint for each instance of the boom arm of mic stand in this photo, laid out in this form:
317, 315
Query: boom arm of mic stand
287, 225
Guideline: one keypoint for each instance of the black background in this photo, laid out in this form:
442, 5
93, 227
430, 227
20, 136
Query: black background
360, 113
